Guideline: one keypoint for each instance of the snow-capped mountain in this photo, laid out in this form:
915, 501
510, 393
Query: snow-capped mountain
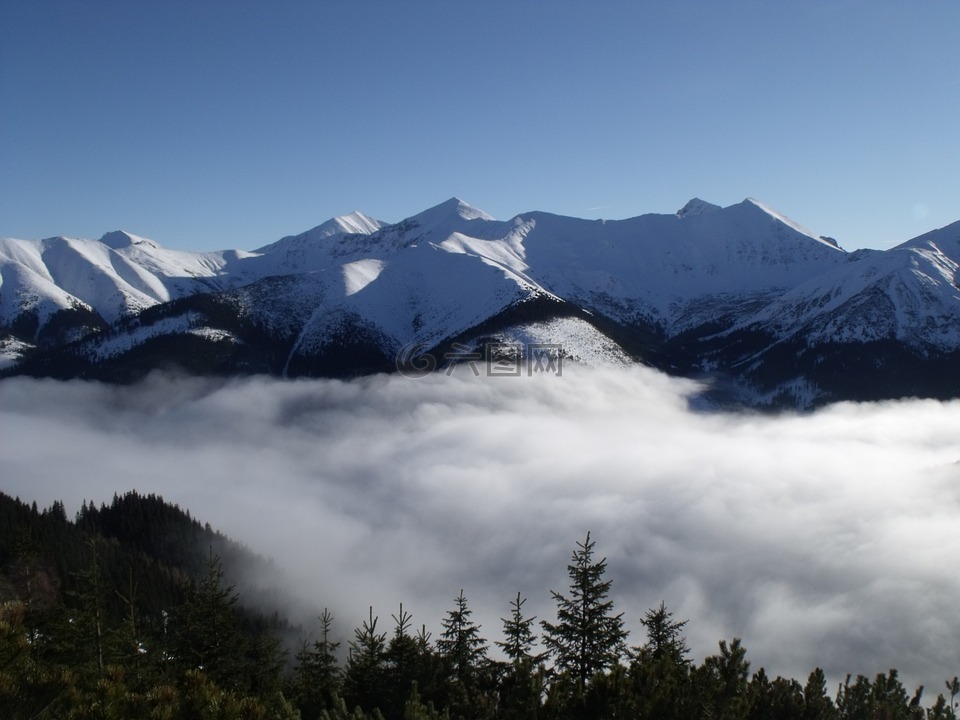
741, 296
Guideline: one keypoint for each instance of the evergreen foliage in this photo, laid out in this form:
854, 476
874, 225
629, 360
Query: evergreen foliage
460, 643
317, 676
366, 672
80, 638
518, 631
664, 641
467, 671
206, 632
587, 637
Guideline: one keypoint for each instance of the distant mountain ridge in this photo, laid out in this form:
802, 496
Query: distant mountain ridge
762, 309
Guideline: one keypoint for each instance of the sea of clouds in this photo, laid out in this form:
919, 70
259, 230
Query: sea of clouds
825, 539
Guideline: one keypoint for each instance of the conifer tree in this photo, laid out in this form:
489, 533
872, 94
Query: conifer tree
521, 686
854, 699
207, 635
407, 664
463, 653
817, 705
129, 635
316, 674
659, 672
953, 687
587, 637
85, 630
722, 681
364, 680
461, 643
664, 639
518, 632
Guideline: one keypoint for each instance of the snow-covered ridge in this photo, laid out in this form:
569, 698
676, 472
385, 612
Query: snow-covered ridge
696, 206
785, 220
114, 278
440, 272
355, 223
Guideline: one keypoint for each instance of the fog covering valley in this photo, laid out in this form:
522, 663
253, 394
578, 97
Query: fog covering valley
824, 539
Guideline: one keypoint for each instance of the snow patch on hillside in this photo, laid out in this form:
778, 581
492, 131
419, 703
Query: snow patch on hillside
575, 339
12, 351
117, 343
356, 223
360, 273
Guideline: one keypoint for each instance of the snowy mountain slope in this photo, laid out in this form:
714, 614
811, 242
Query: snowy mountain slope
121, 274
314, 249
118, 275
26, 287
657, 266
742, 291
946, 240
908, 293
425, 293
652, 266
84, 283
420, 292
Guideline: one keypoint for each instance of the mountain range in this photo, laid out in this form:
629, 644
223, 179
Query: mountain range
763, 311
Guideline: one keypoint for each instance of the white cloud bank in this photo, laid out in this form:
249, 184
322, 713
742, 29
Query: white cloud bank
826, 539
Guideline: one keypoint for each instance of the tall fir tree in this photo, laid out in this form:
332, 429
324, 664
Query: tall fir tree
817, 704
460, 642
316, 675
518, 633
659, 672
207, 634
522, 685
587, 637
463, 654
364, 683
407, 665
664, 636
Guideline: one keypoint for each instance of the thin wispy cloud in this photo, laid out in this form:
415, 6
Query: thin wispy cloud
823, 539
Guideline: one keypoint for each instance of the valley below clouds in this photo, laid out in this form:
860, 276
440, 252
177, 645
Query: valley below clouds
824, 539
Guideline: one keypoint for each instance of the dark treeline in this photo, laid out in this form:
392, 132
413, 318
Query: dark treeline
127, 612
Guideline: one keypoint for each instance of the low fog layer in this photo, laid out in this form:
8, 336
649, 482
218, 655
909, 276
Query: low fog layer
827, 539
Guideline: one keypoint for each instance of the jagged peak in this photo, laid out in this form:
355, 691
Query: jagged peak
355, 223
455, 207
118, 239
696, 206
754, 203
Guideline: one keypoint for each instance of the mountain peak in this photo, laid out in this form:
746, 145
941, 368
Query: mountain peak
355, 223
456, 206
766, 209
696, 206
118, 239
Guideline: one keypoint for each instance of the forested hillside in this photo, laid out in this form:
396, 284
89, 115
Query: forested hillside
130, 611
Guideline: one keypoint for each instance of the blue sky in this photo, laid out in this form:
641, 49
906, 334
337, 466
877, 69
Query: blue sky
230, 124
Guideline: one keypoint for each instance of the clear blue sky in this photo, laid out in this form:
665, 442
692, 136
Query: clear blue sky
216, 124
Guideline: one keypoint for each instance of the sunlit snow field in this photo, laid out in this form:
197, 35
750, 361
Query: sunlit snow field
824, 539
